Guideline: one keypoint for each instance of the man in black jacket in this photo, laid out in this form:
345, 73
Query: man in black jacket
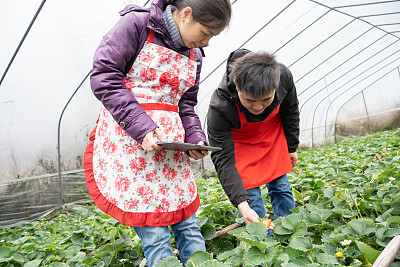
254, 116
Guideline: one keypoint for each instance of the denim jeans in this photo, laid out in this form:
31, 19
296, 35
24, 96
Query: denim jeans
281, 196
157, 245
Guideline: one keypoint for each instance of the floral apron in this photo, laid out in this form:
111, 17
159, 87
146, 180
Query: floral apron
134, 186
261, 150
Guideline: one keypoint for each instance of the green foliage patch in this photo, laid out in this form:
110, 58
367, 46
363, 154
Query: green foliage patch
347, 211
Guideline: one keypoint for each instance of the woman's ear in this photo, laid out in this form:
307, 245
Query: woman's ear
186, 13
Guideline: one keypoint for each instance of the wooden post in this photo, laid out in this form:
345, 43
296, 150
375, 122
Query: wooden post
389, 253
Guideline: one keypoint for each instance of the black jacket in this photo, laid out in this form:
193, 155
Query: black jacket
223, 116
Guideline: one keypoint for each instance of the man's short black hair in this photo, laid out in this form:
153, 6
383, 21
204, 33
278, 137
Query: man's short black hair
257, 74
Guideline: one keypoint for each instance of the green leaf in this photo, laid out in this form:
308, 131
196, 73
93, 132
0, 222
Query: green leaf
4, 252
369, 253
366, 221
257, 229
77, 238
78, 256
319, 184
396, 206
201, 221
90, 245
280, 230
391, 232
113, 232
220, 245
197, 258
256, 256
300, 229
6, 259
131, 253
329, 192
326, 259
126, 239
313, 219
238, 230
300, 261
208, 231
290, 221
379, 232
283, 258
235, 260
18, 257
224, 255
169, 261
329, 248
71, 252
34, 263
49, 246
21, 240
378, 206
57, 264
301, 243
252, 241
212, 263
393, 219
358, 226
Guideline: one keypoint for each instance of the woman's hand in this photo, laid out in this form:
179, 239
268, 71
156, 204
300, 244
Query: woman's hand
148, 142
198, 154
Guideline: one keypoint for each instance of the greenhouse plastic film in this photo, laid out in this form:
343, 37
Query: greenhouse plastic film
28, 199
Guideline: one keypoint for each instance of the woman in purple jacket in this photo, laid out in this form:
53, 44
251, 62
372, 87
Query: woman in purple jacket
146, 73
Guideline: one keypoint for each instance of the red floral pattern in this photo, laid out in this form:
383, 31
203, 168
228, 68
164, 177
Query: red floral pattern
129, 177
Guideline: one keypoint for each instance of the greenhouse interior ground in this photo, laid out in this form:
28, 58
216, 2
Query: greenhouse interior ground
345, 59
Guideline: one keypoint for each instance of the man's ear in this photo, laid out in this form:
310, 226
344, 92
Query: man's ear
235, 85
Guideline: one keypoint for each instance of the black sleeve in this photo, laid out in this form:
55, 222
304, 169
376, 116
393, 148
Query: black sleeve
289, 111
219, 124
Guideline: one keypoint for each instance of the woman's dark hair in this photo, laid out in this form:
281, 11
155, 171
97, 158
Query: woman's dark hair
257, 74
210, 13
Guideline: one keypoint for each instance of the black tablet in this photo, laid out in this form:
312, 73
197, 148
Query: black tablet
171, 145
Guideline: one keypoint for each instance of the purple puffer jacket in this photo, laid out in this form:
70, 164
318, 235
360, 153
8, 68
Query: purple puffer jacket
114, 58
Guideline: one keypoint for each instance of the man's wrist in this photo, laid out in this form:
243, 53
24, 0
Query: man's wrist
243, 206
238, 200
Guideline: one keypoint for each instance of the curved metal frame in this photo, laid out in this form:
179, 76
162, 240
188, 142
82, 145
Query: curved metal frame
312, 128
398, 69
22, 41
348, 73
337, 9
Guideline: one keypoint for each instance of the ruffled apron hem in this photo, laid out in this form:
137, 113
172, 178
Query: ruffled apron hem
130, 218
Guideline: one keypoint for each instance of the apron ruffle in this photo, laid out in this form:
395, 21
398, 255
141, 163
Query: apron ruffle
130, 218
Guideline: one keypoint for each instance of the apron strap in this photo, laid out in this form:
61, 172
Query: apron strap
150, 39
191, 55
159, 106
242, 117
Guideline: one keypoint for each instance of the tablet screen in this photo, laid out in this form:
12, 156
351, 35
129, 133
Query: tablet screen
186, 146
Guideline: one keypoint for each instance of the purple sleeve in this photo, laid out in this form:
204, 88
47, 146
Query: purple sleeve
112, 60
190, 120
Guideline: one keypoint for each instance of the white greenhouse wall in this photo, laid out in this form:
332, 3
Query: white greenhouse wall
333, 54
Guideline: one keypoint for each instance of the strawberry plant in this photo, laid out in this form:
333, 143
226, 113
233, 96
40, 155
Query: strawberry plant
347, 211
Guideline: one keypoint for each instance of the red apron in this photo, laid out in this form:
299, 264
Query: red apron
136, 187
261, 150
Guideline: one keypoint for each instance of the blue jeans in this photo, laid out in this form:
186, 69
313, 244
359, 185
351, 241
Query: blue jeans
281, 196
156, 241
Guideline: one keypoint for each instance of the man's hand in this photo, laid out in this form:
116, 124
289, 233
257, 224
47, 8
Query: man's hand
293, 158
148, 142
267, 223
198, 154
248, 214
